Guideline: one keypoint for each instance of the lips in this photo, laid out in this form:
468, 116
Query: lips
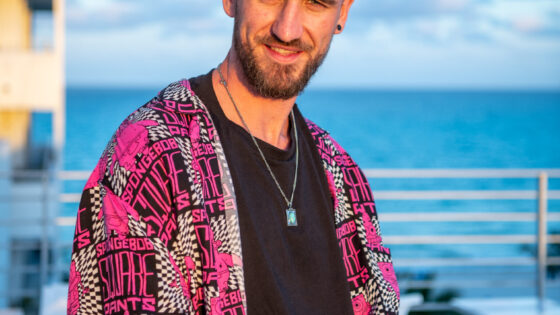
283, 54
283, 51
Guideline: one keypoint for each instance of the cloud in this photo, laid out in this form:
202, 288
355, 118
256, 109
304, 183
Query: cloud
173, 16
385, 60
446, 23
140, 56
392, 10
524, 18
528, 24
401, 42
430, 20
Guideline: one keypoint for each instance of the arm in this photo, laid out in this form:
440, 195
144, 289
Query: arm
123, 258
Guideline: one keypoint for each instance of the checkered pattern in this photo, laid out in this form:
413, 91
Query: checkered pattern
226, 231
158, 132
119, 178
176, 92
146, 113
236, 279
358, 291
187, 235
344, 211
380, 294
198, 104
98, 224
195, 179
225, 227
136, 228
186, 246
377, 290
210, 293
375, 223
170, 292
90, 290
109, 152
227, 182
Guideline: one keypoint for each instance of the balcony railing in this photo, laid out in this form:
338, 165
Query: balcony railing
540, 216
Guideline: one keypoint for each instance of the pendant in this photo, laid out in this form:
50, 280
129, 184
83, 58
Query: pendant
291, 217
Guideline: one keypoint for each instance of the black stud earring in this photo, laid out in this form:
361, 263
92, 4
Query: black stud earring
339, 27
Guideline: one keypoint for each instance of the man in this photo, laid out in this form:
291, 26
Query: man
218, 197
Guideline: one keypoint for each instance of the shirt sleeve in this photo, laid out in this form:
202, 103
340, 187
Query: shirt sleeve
371, 276
125, 257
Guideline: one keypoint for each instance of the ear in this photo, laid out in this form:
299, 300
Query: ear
346, 4
229, 7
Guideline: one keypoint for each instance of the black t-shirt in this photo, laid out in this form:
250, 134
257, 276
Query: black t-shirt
288, 270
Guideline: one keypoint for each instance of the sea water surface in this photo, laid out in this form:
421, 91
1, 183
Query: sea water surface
394, 129
380, 129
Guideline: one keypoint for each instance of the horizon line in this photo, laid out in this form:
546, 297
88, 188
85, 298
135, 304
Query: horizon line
396, 88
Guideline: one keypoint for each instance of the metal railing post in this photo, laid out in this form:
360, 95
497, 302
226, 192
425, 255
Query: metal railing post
542, 240
44, 252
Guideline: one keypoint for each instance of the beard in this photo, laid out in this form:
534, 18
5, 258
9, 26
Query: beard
274, 80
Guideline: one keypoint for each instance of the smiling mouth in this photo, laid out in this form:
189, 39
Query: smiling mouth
283, 51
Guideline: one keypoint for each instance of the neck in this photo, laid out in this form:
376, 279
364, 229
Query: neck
267, 119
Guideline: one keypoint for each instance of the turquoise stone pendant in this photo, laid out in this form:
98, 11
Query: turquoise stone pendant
291, 217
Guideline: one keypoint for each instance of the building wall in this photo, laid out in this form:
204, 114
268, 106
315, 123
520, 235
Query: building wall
15, 35
15, 38
15, 25
14, 131
30, 81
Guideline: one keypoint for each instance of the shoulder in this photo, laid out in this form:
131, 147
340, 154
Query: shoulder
179, 98
161, 126
166, 114
325, 143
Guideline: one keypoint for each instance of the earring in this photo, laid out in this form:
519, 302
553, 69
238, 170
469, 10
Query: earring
339, 27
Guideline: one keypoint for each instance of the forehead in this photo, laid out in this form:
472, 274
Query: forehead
317, 7
328, 2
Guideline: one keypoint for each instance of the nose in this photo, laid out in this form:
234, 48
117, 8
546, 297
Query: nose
288, 25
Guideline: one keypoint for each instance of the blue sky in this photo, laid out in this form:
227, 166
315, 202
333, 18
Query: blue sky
467, 44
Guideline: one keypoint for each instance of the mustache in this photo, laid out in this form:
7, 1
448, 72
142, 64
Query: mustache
271, 39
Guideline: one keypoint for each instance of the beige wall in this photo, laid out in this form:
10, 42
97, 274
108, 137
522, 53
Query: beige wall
15, 36
15, 25
14, 126
29, 80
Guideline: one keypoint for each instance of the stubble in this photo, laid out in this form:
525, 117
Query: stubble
274, 80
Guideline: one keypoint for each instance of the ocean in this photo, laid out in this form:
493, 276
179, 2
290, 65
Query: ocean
393, 129
380, 129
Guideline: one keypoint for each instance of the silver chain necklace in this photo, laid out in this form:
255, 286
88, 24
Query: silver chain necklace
291, 218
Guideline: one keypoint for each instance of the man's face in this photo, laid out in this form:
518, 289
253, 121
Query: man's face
281, 43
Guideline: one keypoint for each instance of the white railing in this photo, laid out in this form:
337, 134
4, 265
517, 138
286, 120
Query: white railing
541, 216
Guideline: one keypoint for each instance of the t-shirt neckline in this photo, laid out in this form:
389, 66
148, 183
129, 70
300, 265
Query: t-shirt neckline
204, 89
